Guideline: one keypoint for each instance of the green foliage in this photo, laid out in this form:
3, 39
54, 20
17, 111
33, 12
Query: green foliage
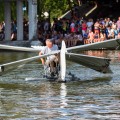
56, 8
13, 10
1, 11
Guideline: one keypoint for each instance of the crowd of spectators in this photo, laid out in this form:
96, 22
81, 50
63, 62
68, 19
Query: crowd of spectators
2, 27
80, 31
74, 31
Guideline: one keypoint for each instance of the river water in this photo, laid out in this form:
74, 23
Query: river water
95, 96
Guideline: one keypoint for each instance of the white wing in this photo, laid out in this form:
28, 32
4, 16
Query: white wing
108, 44
11, 65
99, 64
15, 48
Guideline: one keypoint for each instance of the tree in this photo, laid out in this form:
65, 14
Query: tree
56, 7
1, 11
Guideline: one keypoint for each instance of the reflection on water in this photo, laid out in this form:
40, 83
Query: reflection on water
13, 56
63, 93
113, 55
63, 99
95, 96
99, 53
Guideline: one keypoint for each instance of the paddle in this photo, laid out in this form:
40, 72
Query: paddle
8, 66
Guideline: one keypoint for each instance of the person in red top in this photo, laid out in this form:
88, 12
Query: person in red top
72, 27
84, 27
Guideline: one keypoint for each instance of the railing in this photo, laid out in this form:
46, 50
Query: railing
95, 7
83, 10
68, 13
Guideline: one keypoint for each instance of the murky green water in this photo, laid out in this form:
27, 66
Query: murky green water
95, 97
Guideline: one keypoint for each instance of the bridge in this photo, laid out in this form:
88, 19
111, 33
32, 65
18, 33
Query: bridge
32, 14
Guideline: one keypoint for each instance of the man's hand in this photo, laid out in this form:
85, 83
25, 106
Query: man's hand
42, 60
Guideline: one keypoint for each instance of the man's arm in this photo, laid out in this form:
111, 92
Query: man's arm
42, 59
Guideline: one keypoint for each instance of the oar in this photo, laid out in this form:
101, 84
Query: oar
8, 66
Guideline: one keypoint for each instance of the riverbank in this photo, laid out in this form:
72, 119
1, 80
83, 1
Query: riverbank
21, 43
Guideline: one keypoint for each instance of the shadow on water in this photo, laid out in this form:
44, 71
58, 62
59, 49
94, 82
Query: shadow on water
33, 85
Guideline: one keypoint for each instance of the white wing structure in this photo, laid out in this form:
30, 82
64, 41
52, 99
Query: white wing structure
15, 48
39, 48
99, 64
107, 44
63, 61
8, 66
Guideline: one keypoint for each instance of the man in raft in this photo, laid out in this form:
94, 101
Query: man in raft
51, 60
